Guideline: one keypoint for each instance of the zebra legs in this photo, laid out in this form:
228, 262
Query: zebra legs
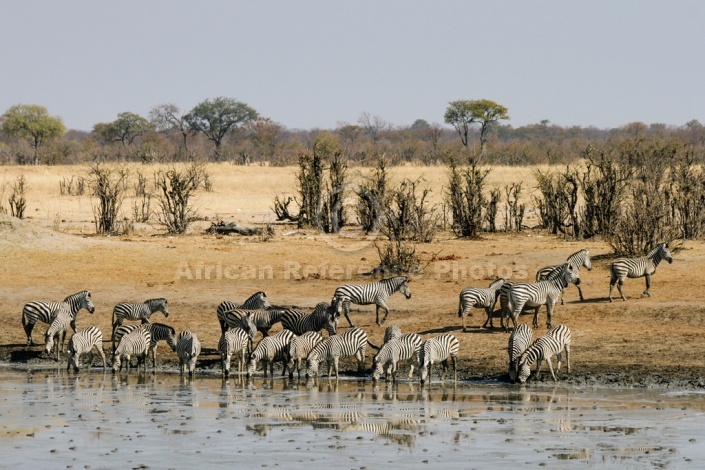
489, 312
386, 312
619, 281
28, 330
648, 285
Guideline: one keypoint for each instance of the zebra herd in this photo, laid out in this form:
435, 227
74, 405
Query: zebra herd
300, 341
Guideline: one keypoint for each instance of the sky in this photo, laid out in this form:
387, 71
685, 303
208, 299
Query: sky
310, 64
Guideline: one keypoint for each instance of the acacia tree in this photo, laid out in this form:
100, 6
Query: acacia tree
33, 123
462, 114
218, 117
169, 118
125, 129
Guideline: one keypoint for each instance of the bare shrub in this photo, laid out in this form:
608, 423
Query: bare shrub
18, 197
557, 204
409, 216
74, 186
373, 198
175, 190
465, 198
107, 184
492, 209
686, 195
514, 212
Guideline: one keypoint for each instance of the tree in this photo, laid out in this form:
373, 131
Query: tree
373, 125
463, 113
168, 118
33, 123
126, 128
266, 136
218, 117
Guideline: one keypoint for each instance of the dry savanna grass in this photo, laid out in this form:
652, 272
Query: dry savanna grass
643, 341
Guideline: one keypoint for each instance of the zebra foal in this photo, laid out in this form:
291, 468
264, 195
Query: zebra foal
439, 349
351, 343
519, 341
403, 348
187, 348
134, 343
45, 312
299, 349
374, 293
270, 349
82, 342
256, 301
576, 260
476, 297
553, 343
137, 312
645, 266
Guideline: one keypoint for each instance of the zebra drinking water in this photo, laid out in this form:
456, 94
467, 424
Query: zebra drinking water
62, 321
256, 301
645, 266
299, 349
553, 343
476, 297
134, 343
390, 333
158, 332
403, 348
324, 316
271, 349
45, 312
439, 349
187, 348
141, 311
233, 341
351, 343
519, 341
82, 342
374, 293
576, 260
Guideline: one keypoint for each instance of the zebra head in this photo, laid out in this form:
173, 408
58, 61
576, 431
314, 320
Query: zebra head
312, 366
171, 338
158, 305
424, 363
665, 252
248, 324
569, 275
80, 300
48, 342
404, 287
252, 364
586, 261
336, 305
73, 357
256, 301
524, 372
116, 362
378, 368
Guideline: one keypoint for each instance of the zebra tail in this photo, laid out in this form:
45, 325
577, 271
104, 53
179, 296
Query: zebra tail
372, 345
510, 307
460, 308
24, 318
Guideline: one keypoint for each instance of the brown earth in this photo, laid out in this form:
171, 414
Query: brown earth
642, 342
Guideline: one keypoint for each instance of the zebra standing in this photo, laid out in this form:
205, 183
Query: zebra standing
134, 343
158, 332
83, 342
256, 301
374, 293
187, 348
58, 328
351, 343
299, 349
622, 268
519, 341
553, 343
403, 348
476, 297
390, 333
46, 311
264, 319
270, 349
324, 316
142, 311
233, 341
439, 349
577, 260
536, 294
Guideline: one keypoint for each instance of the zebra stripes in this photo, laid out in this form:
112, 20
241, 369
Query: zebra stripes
576, 260
263, 319
439, 349
45, 312
324, 316
519, 341
187, 349
553, 343
141, 311
233, 341
82, 342
134, 343
299, 349
476, 297
622, 268
390, 333
374, 293
351, 343
58, 328
270, 349
256, 301
403, 348
158, 332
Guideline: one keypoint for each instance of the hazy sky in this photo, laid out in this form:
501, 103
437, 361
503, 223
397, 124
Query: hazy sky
308, 64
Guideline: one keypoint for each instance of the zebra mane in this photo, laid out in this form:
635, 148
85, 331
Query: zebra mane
78, 295
155, 302
497, 284
659, 248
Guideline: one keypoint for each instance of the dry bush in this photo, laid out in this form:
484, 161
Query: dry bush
373, 198
18, 197
557, 205
465, 198
107, 184
175, 190
514, 211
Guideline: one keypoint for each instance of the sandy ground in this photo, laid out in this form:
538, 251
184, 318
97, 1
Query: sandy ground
642, 342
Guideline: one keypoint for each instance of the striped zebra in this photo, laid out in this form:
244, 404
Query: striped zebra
519, 341
57, 330
256, 301
82, 342
299, 349
187, 348
477, 297
390, 333
264, 319
577, 260
403, 348
134, 343
351, 343
374, 293
622, 268
45, 312
158, 332
536, 294
233, 341
439, 349
324, 316
553, 343
142, 312
505, 312
270, 349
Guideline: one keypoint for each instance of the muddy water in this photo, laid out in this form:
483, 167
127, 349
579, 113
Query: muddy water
51, 419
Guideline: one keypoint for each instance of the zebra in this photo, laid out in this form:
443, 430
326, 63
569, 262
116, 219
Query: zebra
553, 343
46, 311
622, 268
334, 348
374, 293
233, 341
476, 297
158, 332
256, 301
519, 341
264, 318
546, 293
324, 316
58, 328
127, 311
270, 349
577, 260
134, 343
82, 342
390, 333
299, 349
187, 348
439, 349
403, 348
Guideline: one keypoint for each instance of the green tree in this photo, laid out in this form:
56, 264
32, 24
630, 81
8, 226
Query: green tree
126, 128
33, 123
462, 114
218, 117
